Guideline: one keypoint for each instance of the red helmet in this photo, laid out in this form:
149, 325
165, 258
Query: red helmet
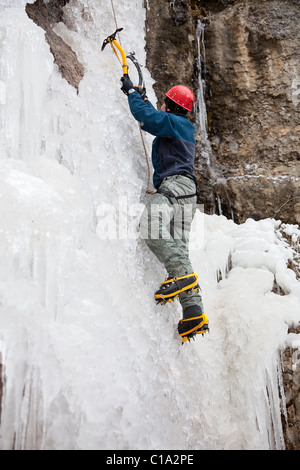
183, 96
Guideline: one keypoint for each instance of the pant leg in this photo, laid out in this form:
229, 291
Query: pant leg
155, 226
165, 225
182, 228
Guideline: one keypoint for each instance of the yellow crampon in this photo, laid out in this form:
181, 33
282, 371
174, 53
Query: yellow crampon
167, 281
114, 44
192, 287
201, 328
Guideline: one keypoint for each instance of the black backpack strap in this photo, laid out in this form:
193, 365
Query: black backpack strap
170, 195
186, 196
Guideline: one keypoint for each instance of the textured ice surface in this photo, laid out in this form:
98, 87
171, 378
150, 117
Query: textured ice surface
89, 361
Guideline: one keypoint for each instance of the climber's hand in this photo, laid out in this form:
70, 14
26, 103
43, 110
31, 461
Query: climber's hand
127, 84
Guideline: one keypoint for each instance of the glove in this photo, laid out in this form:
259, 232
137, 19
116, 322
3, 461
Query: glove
127, 85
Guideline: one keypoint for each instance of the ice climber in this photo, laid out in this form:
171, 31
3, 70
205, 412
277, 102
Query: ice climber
166, 221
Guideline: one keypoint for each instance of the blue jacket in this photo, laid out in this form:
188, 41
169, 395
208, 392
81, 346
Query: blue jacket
173, 149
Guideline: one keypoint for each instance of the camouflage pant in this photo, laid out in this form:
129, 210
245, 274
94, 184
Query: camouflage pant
165, 225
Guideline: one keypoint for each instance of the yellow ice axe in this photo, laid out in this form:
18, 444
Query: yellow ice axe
114, 44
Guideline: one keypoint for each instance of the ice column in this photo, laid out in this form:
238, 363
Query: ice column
201, 115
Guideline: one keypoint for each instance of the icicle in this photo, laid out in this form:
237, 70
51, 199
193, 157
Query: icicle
201, 114
219, 204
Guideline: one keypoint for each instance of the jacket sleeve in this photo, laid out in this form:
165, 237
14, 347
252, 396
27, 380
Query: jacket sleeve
155, 122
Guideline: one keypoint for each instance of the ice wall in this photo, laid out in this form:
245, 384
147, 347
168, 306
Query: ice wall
58, 163
89, 361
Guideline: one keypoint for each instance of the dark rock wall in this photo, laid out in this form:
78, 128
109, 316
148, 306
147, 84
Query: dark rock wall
252, 74
47, 15
252, 71
291, 380
170, 44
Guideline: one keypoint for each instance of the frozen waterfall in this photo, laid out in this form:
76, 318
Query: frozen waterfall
89, 361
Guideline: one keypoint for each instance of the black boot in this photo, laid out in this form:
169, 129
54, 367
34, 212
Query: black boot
194, 322
172, 287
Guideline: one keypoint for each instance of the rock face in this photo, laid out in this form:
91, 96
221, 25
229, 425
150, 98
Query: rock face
291, 380
47, 15
170, 45
252, 74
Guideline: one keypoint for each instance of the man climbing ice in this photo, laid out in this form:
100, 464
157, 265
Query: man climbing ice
166, 221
